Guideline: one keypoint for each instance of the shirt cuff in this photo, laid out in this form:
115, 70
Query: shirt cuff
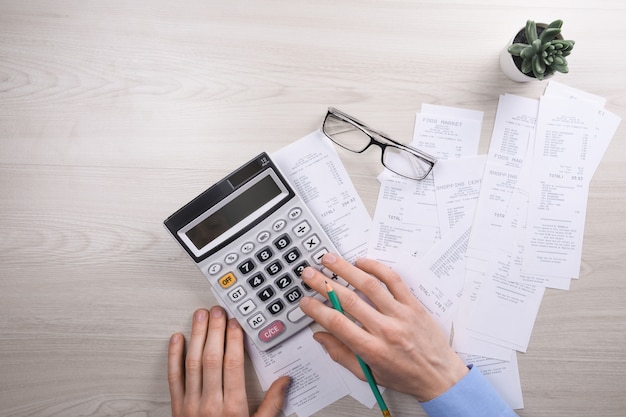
472, 396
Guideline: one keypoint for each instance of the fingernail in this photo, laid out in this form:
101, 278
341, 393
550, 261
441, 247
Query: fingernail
329, 258
304, 301
233, 324
308, 273
216, 312
200, 315
175, 338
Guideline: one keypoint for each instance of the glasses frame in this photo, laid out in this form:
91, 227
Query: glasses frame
375, 136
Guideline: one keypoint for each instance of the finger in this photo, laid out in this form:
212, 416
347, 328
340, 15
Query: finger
361, 280
176, 373
340, 353
274, 398
351, 302
234, 372
389, 277
193, 361
336, 323
213, 356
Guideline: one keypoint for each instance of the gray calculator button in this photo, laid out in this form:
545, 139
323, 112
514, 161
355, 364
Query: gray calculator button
237, 294
247, 247
302, 228
295, 315
215, 268
279, 225
294, 213
330, 274
256, 321
263, 236
311, 242
317, 257
247, 307
231, 258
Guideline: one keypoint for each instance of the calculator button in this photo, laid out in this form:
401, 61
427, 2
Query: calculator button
294, 213
257, 321
311, 242
237, 294
292, 256
274, 329
279, 225
283, 282
276, 307
264, 254
317, 257
330, 274
300, 267
302, 228
247, 307
227, 280
246, 266
215, 268
263, 237
274, 268
295, 315
266, 293
247, 247
231, 258
256, 280
293, 295
282, 242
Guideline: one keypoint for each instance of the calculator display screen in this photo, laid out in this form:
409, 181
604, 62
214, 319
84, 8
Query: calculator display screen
233, 212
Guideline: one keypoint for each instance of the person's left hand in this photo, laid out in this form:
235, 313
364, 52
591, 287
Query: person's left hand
210, 380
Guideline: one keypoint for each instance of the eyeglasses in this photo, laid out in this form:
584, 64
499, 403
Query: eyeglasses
356, 136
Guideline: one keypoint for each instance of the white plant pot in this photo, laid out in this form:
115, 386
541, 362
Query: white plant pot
510, 69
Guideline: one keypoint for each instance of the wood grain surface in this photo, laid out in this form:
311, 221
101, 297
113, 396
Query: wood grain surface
115, 113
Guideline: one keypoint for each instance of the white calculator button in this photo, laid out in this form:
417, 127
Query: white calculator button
247, 247
294, 213
215, 268
256, 321
295, 315
302, 228
279, 225
317, 257
263, 237
231, 258
330, 274
311, 242
237, 294
247, 307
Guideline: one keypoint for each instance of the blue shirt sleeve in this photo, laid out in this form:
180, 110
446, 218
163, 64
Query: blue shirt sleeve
472, 396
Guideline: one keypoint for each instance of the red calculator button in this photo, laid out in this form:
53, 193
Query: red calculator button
274, 329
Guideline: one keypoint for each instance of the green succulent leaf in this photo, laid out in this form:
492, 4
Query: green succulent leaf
527, 53
516, 49
531, 31
549, 34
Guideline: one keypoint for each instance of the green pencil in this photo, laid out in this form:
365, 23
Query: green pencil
366, 369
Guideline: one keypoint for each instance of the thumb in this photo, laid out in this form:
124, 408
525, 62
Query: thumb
274, 399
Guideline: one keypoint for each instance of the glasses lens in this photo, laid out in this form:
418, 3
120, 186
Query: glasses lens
345, 134
405, 163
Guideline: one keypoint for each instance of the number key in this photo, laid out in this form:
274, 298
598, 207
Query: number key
246, 266
266, 293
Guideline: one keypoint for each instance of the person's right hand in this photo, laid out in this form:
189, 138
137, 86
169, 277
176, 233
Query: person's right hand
401, 343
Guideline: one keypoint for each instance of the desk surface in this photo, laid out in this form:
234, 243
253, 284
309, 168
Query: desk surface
115, 113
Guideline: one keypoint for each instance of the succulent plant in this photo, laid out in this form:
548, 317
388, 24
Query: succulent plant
543, 54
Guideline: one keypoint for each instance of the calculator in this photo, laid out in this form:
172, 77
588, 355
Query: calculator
251, 235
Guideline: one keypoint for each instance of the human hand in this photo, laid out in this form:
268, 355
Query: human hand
210, 380
401, 343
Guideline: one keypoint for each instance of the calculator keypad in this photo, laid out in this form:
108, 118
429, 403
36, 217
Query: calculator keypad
262, 280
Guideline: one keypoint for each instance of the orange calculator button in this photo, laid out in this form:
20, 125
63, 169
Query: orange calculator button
227, 280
